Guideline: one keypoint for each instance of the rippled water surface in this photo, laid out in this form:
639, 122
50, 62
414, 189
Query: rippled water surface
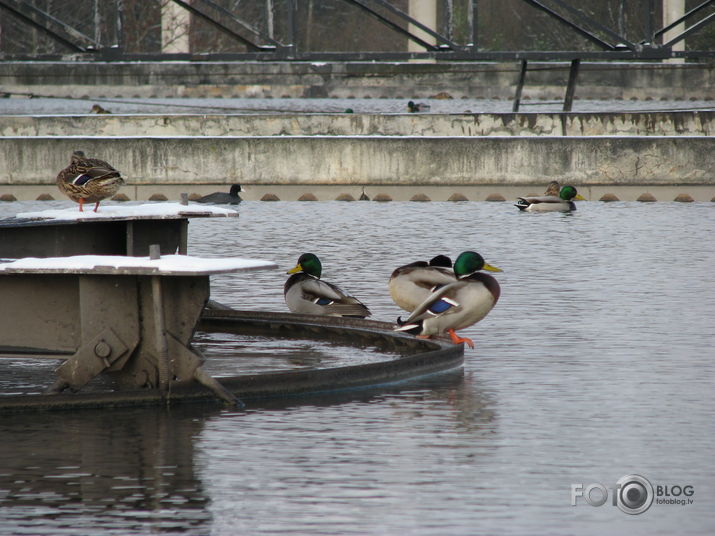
596, 363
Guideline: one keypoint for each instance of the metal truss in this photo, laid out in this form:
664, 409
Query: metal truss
611, 45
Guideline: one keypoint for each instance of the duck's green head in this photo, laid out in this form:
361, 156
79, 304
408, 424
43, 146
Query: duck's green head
568, 193
469, 262
308, 263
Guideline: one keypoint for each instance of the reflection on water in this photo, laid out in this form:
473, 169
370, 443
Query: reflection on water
596, 363
230, 354
108, 472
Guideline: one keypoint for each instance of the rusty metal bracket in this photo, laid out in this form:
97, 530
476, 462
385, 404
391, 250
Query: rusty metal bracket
91, 359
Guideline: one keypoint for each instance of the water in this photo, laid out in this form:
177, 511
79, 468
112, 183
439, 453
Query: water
162, 106
596, 363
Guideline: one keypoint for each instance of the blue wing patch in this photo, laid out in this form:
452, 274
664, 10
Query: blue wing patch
442, 305
438, 307
323, 301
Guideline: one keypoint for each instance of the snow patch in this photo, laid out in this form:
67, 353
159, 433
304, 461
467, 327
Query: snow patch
166, 264
144, 211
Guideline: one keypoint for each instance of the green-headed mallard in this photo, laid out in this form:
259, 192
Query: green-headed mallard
414, 107
411, 284
88, 180
456, 305
305, 292
550, 203
223, 198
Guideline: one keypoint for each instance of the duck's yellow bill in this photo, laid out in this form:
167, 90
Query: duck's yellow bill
579, 197
490, 268
297, 268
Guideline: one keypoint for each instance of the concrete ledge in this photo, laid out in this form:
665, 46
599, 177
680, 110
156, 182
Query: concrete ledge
597, 80
323, 160
696, 123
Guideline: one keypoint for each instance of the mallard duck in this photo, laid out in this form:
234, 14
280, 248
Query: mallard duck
88, 180
550, 203
223, 198
305, 292
553, 188
97, 109
414, 107
411, 284
456, 305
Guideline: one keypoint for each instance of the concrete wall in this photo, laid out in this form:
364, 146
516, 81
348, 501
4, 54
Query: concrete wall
526, 124
355, 79
320, 160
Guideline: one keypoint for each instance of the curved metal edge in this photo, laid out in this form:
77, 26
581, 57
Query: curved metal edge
420, 358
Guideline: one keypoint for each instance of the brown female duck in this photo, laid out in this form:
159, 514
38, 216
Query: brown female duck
88, 180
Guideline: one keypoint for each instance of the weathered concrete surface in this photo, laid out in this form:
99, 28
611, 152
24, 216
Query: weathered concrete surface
695, 123
597, 80
372, 160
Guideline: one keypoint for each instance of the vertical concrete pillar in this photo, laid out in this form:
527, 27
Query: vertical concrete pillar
425, 11
672, 11
174, 28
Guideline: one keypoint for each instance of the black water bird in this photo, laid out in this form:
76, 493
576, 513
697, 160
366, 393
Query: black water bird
223, 198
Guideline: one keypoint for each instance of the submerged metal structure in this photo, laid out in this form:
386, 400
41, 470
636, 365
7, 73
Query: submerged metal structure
414, 359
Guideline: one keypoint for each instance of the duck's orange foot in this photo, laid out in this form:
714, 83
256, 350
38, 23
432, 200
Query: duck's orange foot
456, 339
423, 336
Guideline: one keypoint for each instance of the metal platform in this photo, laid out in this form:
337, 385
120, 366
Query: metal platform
104, 233
415, 359
131, 318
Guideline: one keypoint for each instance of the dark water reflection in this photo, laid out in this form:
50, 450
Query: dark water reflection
94, 472
597, 362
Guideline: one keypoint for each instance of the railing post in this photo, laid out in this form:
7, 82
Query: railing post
291, 29
519, 86
571, 87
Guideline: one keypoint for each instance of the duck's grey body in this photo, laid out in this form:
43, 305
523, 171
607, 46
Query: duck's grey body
411, 284
307, 294
544, 203
471, 299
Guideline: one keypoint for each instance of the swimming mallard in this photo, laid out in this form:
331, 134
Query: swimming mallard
305, 292
88, 180
550, 203
456, 305
223, 198
411, 284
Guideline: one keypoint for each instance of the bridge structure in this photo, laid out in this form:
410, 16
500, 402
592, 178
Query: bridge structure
274, 32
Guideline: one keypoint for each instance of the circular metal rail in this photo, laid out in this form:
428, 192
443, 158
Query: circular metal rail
416, 358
